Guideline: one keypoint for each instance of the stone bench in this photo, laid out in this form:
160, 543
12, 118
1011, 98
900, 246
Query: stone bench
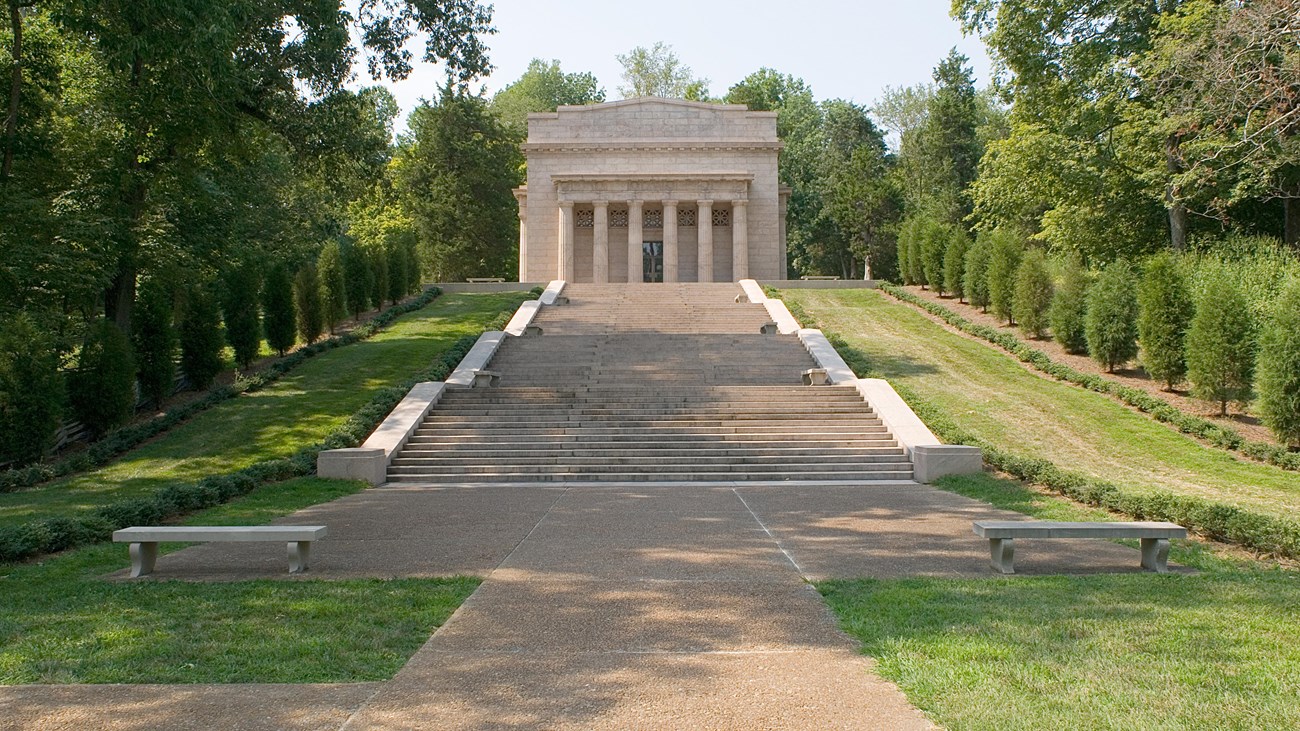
144, 541
485, 280
819, 278
816, 377
1002, 533
485, 379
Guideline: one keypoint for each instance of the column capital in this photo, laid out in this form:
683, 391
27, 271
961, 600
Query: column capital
739, 202
670, 203
566, 204
703, 203
600, 204
635, 204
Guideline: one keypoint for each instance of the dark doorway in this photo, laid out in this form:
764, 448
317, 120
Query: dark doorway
652, 261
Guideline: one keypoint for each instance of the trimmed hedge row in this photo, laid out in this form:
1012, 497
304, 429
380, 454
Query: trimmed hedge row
1263, 533
1214, 434
122, 440
60, 533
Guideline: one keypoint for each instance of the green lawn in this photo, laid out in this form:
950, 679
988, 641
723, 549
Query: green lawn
296, 411
991, 396
62, 622
1214, 650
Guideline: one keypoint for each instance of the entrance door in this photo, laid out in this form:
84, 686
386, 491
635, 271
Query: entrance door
652, 261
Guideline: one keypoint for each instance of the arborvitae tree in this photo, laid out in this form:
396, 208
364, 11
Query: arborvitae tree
239, 307
306, 299
333, 284
277, 309
102, 388
413, 273
397, 275
154, 338
359, 279
1111, 323
1070, 307
32, 391
906, 231
379, 266
1279, 369
1221, 346
954, 263
1033, 295
1165, 310
200, 335
1005, 252
976, 277
933, 249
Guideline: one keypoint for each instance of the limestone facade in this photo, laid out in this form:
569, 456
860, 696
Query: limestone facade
652, 190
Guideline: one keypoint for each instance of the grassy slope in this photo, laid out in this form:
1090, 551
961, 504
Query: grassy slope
1213, 650
991, 396
61, 622
296, 411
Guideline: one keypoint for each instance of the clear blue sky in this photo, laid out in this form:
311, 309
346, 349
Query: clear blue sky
848, 50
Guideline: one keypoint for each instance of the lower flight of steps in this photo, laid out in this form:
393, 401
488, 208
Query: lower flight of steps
651, 432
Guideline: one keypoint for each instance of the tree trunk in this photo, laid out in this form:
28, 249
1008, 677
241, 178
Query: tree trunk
1177, 211
119, 298
1291, 216
15, 90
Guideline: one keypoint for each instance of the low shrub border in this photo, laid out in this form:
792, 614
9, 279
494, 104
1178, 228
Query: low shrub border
1161, 410
57, 534
118, 442
1263, 533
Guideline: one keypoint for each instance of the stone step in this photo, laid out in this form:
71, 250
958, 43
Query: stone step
805, 468
455, 440
623, 449
650, 462
649, 431
684, 476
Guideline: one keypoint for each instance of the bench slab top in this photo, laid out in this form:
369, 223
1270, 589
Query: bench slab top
1065, 529
232, 533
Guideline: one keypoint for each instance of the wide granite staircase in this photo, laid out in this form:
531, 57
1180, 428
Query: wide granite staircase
661, 382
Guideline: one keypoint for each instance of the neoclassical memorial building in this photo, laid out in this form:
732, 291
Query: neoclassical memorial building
652, 190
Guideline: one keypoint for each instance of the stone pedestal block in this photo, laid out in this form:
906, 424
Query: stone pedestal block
932, 461
359, 463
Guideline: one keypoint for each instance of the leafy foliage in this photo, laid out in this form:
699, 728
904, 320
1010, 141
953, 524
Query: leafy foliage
1068, 313
1278, 370
278, 310
32, 391
240, 309
976, 275
954, 263
200, 338
102, 387
1033, 294
1221, 347
154, 341
333, 285
543, 88
307, 303
454, 175
656, 71
1165, 310
1005, 252
934, 247
1111, 322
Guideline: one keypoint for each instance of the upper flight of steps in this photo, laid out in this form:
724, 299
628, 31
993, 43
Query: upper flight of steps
651, 382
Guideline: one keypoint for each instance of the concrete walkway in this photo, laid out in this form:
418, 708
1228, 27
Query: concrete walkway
612, 606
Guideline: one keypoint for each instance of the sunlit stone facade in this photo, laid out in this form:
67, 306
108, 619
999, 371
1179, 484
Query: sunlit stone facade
647, 190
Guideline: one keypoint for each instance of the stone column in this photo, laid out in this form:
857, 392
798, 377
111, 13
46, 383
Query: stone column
635, 267
600, 242
565, 269
670, 241
739, 240
523, 244
704, 224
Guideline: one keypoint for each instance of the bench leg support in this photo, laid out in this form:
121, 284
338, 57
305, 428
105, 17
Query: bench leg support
1002, 554
299, 555
1155, 554
143, 558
